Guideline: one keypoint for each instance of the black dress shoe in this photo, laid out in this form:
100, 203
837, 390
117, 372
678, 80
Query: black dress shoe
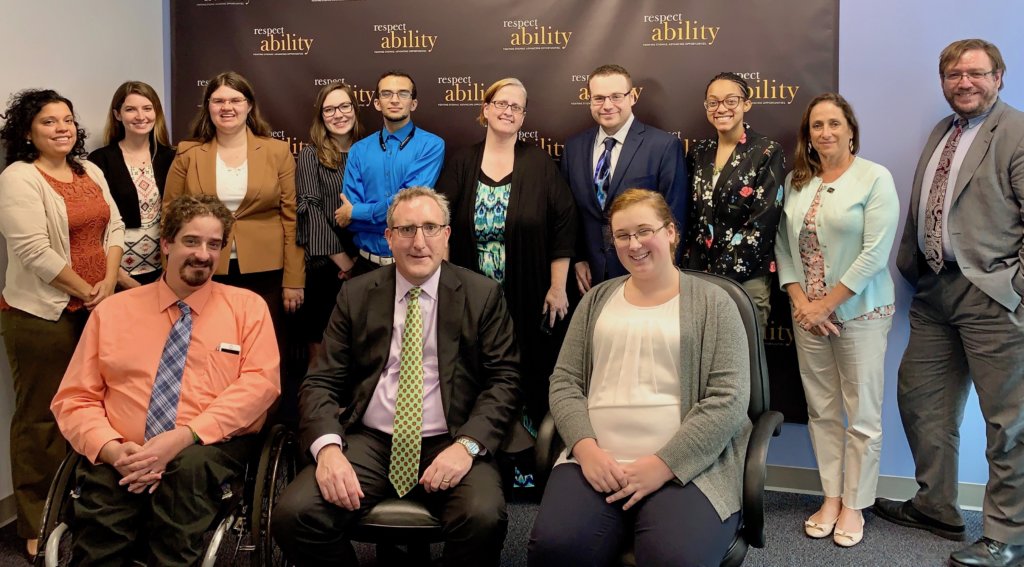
989, 553
904, 514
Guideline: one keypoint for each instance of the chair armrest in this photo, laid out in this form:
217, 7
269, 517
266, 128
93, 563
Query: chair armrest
546, 449
754, 471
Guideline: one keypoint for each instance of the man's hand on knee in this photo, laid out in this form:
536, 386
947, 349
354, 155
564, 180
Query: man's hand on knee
336, 478
447, 469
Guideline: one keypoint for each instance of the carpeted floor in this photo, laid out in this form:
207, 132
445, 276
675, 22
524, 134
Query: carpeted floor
884, 545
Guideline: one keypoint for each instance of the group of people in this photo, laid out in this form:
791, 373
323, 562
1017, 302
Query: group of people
429, 360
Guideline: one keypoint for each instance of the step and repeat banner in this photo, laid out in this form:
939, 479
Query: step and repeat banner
787, 50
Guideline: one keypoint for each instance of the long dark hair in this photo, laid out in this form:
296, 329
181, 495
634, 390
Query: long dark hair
203, 129
22, 109
807, 162
114, 131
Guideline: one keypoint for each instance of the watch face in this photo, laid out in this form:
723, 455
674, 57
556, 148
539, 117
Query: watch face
472, 446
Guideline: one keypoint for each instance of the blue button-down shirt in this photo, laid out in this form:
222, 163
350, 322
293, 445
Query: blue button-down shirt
373, 176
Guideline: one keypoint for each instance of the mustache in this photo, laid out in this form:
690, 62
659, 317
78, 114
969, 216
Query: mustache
193, 263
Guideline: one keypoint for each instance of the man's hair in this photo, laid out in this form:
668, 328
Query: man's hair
611, 69
414, 192
187, 207
395, 73
952, 53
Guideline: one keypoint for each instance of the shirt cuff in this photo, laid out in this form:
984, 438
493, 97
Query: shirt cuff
323, 441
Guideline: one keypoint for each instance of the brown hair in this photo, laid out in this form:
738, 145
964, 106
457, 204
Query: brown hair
493, 90
203, 129
395, 73
954, 51
807, 162
654, 200
411, 193
187, 207
327, 150
611, 69
114, 130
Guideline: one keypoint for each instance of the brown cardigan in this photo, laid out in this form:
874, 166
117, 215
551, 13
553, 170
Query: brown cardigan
264, 233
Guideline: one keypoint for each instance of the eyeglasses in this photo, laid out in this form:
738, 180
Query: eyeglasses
643, 236
409, 230
616, 98
503, 104
329, 111
971, 75
388, 95
729, 102
228, 101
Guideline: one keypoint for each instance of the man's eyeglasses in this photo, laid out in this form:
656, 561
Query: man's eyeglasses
409, 230
329, 111
503, 104
642, 236
616, 98
729, 102
388, 95
971, 75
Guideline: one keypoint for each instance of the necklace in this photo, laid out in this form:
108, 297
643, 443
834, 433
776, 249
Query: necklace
135, 158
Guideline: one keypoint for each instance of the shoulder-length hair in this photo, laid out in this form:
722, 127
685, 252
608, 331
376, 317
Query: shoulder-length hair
327, 150
807, 162
493, 90
17, 129
203, 129
114, 130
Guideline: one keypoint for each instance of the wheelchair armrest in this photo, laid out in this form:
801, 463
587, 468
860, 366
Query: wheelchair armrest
768, 425
547, 447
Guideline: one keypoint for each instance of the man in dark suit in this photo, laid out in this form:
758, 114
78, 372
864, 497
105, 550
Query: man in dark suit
619, 153
962, 250
411, 396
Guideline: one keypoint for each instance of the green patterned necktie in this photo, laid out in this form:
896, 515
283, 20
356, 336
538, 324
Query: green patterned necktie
407, 436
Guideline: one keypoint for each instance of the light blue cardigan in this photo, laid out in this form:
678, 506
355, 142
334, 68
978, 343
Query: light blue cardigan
856, 228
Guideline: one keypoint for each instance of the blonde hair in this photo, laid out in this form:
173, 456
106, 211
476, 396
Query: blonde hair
656, 201
493, 90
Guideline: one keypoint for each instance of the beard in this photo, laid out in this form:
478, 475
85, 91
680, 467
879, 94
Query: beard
196, 273
396, 118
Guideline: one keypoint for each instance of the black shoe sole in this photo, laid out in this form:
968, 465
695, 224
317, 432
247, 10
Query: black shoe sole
941, 532
956, 563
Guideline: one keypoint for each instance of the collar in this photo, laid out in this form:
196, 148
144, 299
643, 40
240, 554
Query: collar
402, 133
165, 297
977, 120
429, 287
620, 136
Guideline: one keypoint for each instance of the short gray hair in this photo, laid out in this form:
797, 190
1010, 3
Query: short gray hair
411, 193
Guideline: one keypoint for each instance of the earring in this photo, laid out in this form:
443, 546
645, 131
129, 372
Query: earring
851, 145
809, 147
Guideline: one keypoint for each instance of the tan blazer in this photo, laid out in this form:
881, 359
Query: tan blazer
264, 233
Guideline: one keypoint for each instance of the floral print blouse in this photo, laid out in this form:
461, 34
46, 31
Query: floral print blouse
733, 222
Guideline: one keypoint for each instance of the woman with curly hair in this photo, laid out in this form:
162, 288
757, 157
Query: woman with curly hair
135, 162
64, 243
737, 195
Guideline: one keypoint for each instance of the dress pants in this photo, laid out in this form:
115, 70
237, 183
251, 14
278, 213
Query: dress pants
311, 531
38, 351
760, 290
675, 525
846, 375
170, 523
959, 335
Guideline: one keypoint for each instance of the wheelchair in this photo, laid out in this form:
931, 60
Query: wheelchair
243, 521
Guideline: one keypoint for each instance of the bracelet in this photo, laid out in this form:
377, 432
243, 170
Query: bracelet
195, 438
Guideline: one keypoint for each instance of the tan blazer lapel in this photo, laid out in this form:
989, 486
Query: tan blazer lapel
206, 167
256, 160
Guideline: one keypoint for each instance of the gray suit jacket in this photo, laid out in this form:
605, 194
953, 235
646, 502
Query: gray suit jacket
986, 228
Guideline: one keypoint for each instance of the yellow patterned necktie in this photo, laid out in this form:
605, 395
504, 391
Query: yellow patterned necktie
407, 437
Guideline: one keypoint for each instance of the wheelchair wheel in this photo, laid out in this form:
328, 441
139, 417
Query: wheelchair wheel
217, 539
57, 511
276, 469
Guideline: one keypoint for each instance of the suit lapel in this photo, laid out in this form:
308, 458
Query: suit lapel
258, 171
207, 167
380, 321
451, 299
634, 138
977, 151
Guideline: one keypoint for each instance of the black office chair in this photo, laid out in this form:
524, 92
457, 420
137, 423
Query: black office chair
396, 522
767, 424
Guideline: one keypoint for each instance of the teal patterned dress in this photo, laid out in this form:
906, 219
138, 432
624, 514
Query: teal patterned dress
489, 224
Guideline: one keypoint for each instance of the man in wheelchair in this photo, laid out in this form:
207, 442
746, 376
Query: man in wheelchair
167, 385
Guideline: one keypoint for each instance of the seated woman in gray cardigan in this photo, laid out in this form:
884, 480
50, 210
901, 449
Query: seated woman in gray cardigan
650, 394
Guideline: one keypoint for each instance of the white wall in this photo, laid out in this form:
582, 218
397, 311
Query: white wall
83, 50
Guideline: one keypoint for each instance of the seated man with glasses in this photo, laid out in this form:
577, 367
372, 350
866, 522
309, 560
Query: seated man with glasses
617, 154
411, 397
397, 156
162, 395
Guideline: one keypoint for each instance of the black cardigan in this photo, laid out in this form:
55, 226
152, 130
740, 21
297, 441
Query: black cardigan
111, 161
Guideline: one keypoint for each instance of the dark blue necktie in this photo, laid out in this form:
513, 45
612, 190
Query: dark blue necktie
603, 170
163, 402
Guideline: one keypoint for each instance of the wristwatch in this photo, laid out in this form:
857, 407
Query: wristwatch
472, 447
